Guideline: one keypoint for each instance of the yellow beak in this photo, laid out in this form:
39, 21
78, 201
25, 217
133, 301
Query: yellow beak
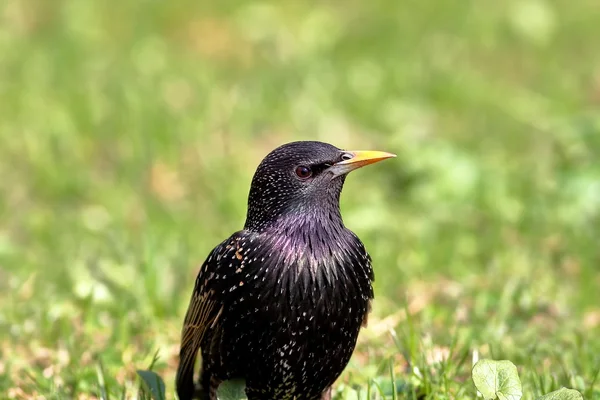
356, 159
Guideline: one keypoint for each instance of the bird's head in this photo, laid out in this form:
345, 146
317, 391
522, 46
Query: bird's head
300, 179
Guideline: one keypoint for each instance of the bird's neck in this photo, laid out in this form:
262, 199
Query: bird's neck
309, 217
319, 222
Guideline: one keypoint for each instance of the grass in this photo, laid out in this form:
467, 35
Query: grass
129, 132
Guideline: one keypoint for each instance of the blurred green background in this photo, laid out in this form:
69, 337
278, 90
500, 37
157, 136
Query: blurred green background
130, 130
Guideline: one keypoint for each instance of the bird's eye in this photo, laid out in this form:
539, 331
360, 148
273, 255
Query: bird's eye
303, 172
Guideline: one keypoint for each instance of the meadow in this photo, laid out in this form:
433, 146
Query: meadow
130, 130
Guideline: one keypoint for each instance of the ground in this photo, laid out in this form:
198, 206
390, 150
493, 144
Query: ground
129, 132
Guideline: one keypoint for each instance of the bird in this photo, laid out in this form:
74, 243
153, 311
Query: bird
280, 303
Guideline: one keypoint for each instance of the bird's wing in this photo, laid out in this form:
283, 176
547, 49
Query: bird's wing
202, 312
206, 305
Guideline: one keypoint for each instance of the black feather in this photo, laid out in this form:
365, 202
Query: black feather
280, 303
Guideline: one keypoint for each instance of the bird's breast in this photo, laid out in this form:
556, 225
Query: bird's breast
292, 277
293, 301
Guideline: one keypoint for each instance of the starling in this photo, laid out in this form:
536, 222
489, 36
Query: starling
280, 303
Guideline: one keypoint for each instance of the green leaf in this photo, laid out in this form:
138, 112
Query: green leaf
101, 381
562, 394
232, 390
153, 383
497, 379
